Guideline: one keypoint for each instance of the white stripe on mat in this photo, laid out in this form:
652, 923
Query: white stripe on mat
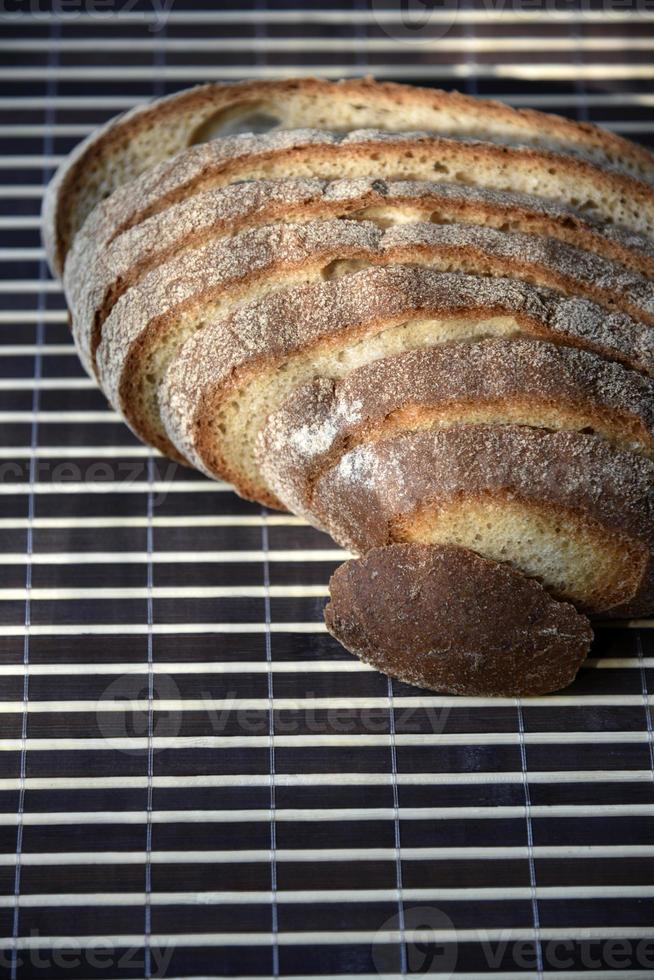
127, 485
308, 938
329, 896
234, 704
59, 783
170, 592
176, 557
188, 667
554, 852
78, 452
13, 317
500, 12
183, 520
47, 384
550, 71
326, 45
356, 739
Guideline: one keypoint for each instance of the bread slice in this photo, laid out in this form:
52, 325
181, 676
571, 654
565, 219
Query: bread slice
608, 196
97, 276
149, 323
135, 142
231, 375
564, 507
522, 380
443, 618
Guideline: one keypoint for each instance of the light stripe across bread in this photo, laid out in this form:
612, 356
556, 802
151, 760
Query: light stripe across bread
133, 143
231, 375
613, 198
523, 381
564, 507
446, 619
97, 276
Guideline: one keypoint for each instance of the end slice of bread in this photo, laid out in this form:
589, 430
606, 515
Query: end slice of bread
131, 144
448, 620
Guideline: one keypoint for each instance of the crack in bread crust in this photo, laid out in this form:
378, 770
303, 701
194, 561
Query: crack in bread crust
561, 494
520, 381
126, 146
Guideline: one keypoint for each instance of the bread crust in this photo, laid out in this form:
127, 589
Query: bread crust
530, 381
262, 336
97, 276
202, 284
610, 196
446, 619
170, 125
377, 492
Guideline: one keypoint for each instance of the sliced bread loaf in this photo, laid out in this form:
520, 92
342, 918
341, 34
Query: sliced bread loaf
231, 375
613, 198
148, 325
563, 507
133, 143
443, 618
522, 380
97, 276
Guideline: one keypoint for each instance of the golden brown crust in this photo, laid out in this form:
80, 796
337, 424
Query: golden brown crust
172, 122
521, 380
448, 620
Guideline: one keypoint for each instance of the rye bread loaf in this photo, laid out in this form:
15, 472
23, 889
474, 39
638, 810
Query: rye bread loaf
149, 324
446, 619
522, 381
614, 199
135, 142
231, 375
97, 275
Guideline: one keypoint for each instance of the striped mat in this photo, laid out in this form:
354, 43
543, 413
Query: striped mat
196, 780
